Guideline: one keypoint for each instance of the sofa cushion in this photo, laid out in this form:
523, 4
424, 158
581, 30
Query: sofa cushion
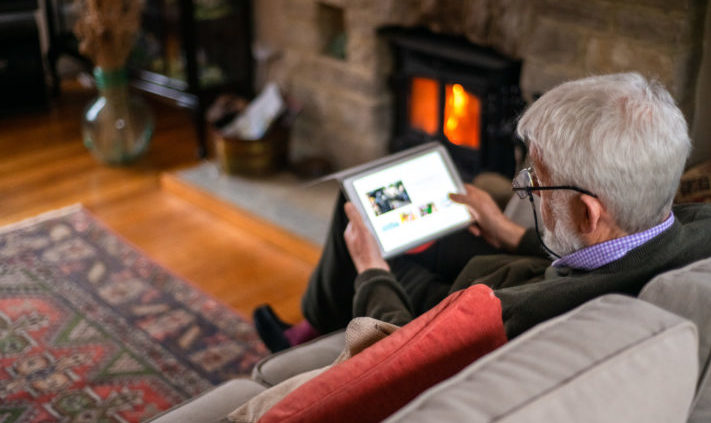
687, 292
614, 359
385, 376
361, 333
212, 405
314, 354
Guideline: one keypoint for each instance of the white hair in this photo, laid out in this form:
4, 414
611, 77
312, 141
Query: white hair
618, 136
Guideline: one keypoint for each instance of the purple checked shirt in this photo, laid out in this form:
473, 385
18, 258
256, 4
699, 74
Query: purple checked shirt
598, 255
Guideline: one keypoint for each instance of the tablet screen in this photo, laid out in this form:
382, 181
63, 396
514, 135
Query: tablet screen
407, 203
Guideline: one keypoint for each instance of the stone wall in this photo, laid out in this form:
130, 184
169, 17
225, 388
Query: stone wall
347, 113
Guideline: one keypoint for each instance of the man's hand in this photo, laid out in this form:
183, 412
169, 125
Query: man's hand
361, 244
489, 222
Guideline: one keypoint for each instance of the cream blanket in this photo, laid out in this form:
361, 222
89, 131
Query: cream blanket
361, 333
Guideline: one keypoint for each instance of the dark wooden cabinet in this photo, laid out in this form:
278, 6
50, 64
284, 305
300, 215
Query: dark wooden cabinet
21, 70
190, 51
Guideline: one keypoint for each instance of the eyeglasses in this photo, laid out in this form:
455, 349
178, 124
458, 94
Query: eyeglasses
527, 181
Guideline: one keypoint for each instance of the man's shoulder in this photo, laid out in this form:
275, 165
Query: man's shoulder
501, 270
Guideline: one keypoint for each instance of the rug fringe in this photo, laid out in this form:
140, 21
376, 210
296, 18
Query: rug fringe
52, 214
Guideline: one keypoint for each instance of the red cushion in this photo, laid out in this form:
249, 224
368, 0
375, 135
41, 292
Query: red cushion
375, 383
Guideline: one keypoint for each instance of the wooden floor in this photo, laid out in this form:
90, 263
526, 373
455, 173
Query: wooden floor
240, 260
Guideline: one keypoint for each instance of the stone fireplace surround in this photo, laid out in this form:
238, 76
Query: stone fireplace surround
348, 111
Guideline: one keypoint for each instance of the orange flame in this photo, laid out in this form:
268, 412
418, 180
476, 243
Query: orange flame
462, 111
424, 101
461, 116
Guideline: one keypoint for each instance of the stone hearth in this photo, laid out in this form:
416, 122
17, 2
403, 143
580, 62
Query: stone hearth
326, 54
302, 209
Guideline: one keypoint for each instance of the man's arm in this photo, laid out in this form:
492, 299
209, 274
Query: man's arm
377, 292
379, 295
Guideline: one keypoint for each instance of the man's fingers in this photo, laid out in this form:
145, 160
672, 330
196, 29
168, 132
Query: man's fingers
349, 230
459, 198
475, 230
472, 193
353, 215
350, 210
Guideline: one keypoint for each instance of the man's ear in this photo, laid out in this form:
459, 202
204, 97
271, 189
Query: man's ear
589, 213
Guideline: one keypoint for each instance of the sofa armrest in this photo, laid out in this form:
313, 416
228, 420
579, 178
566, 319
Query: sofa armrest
308, 356
687, 293
614, 359
213, 405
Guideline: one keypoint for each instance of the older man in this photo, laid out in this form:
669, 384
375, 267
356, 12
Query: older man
606, 155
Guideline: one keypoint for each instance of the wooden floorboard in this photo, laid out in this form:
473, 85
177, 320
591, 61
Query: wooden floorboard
243, 219
241, 260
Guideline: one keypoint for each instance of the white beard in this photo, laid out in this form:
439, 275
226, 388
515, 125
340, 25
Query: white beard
564, 239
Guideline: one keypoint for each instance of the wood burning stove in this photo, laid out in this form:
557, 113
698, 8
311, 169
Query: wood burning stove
458, 93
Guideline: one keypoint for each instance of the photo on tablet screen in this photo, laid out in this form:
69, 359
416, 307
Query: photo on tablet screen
407, 216
428, 208
387, 198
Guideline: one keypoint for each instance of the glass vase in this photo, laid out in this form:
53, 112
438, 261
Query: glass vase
117, 126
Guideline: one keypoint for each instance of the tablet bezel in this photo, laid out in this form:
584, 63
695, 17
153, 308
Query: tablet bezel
404, 156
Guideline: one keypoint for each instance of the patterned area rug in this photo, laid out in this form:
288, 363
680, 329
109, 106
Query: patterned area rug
91, 330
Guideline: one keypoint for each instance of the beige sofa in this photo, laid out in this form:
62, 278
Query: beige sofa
613, 359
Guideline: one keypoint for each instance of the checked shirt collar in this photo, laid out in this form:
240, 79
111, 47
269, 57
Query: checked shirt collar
598, 255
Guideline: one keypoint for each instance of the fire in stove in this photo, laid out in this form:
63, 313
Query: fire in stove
424, 105
462, 111
463, 95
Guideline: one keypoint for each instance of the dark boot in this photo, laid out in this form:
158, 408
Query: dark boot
271, 328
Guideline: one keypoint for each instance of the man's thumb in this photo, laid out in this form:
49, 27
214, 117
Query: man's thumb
352, 213
459, 198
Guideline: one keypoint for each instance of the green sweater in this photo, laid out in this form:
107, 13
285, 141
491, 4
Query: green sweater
531, 291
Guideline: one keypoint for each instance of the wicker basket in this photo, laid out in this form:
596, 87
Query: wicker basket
260, 157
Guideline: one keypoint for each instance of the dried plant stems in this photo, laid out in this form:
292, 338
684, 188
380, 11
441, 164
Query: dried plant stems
107, 29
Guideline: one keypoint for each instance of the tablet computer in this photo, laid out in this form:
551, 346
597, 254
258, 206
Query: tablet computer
404, 198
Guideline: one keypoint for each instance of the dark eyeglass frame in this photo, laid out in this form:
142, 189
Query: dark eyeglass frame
525, 183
